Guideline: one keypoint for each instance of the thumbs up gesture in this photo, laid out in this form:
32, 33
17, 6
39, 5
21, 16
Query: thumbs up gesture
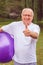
27, 32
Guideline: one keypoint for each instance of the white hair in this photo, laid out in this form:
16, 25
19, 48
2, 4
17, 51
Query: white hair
29, 9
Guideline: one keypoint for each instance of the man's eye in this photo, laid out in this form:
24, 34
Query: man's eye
26, 15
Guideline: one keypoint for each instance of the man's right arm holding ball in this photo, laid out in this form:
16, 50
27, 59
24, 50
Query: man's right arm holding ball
1, 29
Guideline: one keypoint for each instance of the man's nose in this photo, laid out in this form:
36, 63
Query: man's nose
27, 16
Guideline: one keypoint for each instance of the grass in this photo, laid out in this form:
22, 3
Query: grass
40, 49
39, 46
4, 21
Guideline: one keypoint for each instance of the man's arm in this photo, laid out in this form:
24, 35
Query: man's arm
30, 33
34, 35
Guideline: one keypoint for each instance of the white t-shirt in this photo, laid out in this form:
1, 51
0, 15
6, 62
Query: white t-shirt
25, 47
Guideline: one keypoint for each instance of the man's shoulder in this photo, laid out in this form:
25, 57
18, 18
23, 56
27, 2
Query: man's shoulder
35, 25
15, 22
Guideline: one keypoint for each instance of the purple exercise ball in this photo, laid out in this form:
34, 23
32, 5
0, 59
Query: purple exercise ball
6, 47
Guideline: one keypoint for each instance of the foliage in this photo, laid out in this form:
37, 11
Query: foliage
7, 6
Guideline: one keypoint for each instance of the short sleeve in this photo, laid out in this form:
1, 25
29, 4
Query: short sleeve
8, 28
37, 29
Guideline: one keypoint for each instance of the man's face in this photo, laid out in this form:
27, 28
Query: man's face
27, 17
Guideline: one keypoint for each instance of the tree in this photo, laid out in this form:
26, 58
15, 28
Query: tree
40, 9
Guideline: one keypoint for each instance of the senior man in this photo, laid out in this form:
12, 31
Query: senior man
25, 34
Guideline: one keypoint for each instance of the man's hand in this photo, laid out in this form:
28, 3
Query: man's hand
1, 30
30, 33
27, 32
